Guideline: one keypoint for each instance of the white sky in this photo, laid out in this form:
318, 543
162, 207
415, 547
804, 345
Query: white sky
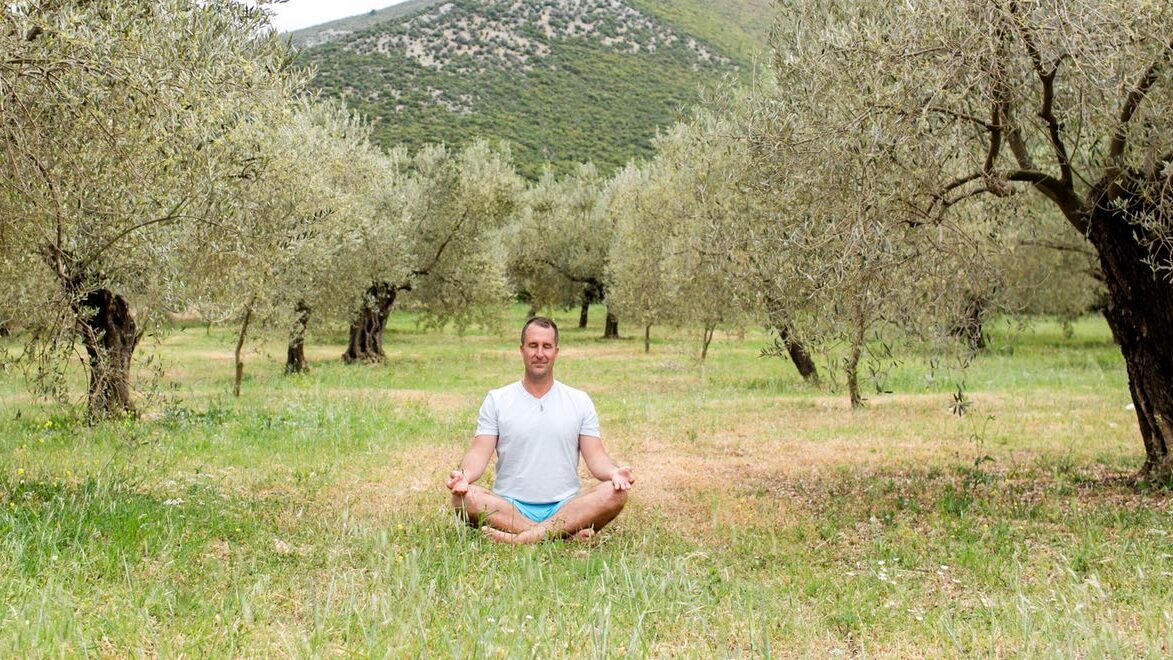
296, 14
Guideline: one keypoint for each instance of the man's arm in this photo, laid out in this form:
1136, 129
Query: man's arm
473, 465
601, 464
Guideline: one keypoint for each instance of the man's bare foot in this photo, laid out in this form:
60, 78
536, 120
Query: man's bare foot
499, 536
526, 537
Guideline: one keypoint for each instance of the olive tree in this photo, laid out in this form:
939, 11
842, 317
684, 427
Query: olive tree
667, 264
836, 253
116, 121
559, 244
637, 274
296, 248
1067, 100
358, 187
1033, 267
445, 225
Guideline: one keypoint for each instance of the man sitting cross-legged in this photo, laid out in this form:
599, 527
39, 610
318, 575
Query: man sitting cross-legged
538, 427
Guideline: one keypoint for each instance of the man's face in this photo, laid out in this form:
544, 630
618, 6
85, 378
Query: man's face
538, 351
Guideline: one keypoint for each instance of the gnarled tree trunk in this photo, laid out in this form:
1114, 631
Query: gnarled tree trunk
591, 293
780, 321
295, 362
366, 332
971, 327
1140, 314
110, 336
582, 313
611, 329
648, 338
798, 354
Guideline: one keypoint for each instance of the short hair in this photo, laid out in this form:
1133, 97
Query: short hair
541, 322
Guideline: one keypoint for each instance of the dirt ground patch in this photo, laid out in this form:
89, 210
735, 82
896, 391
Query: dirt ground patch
436, 401
774, 447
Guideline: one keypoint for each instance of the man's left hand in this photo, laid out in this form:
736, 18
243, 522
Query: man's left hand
457, 482
622, 478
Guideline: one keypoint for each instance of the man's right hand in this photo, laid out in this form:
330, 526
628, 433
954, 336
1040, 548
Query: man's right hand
457, 482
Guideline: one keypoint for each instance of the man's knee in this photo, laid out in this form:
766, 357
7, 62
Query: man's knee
616, 499
471, 503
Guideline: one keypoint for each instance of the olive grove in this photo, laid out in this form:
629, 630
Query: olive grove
117, 123
1069, 101
296, 246
667, 262
815, 238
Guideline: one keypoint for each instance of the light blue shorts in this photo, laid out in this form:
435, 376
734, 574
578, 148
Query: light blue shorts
537, 511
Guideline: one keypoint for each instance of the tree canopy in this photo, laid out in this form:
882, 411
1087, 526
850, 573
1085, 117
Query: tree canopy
117, 120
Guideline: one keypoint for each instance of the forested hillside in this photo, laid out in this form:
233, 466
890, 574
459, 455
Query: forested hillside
564, 81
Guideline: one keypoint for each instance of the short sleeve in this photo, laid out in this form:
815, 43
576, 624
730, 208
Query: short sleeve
487, 417
590, 419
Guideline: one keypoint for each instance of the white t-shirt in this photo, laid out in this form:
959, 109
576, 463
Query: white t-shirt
537, 440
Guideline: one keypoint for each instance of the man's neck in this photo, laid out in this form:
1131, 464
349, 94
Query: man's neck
538, 388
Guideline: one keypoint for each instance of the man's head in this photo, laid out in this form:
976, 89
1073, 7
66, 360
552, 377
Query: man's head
541, 322
539, 347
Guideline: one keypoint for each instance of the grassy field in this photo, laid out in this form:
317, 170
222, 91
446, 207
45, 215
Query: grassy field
309, 516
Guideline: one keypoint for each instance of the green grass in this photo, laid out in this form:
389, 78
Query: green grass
308, 517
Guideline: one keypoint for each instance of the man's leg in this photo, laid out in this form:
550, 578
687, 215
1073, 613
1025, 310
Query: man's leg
481, 507
590, 511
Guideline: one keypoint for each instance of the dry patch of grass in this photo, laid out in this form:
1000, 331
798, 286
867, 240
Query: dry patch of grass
439, 402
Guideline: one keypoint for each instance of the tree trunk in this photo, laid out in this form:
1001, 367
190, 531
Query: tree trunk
648, 338
971, 327
611, 329
593, 292
1141, 318
295, 362
706, 340
110, 336
366, 332
798, 354
248, 317
852, 367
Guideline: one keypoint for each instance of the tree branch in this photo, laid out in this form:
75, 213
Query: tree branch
1003, 112
420, 272
1046, 111
1047, 114
577, 279
173, 214
997, 192
1060, 247
943, 111
995, 138
1131, 104
1062, 194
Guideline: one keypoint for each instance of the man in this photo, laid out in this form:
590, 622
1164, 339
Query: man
538, 427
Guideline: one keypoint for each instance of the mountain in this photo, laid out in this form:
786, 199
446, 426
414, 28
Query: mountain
320, 34
563, 80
